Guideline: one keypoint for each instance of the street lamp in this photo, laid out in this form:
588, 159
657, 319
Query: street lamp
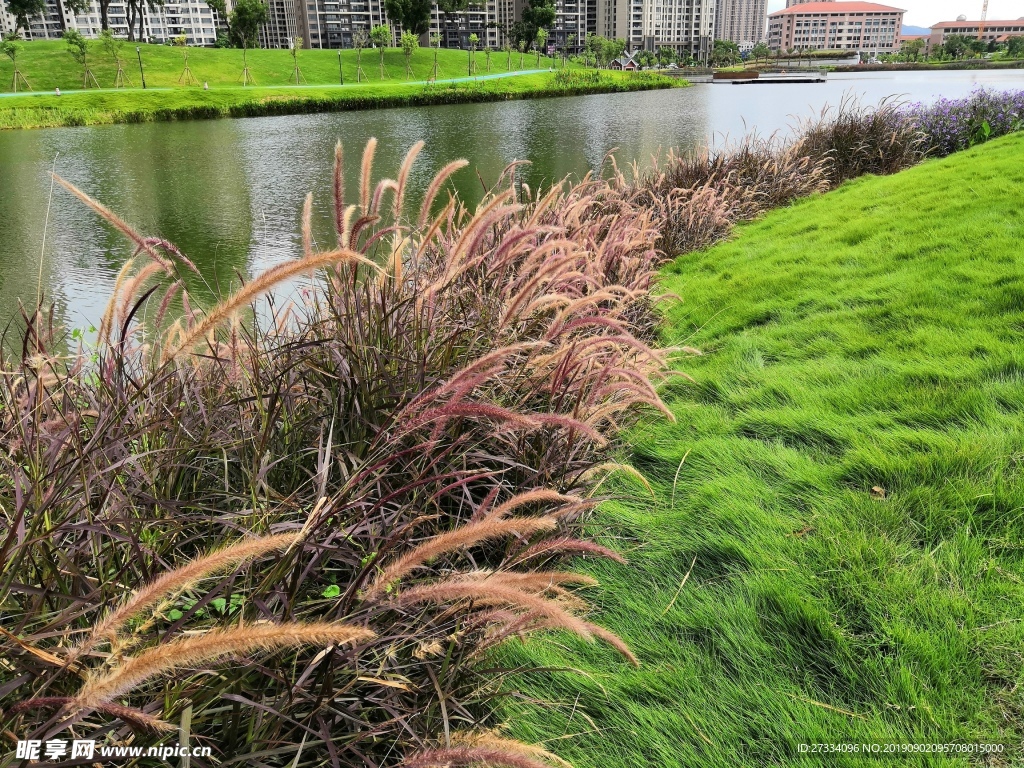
142, 72
341, 73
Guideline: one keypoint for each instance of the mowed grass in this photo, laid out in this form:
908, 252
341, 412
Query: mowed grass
871, 338
48, 65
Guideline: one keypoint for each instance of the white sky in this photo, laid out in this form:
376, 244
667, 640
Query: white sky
924, 13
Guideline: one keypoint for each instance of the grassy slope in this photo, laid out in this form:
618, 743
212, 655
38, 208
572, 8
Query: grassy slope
48, 65
870, 337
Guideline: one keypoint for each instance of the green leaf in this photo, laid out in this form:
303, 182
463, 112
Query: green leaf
332, 591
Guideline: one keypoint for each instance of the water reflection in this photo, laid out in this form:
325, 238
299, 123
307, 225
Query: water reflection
229, 192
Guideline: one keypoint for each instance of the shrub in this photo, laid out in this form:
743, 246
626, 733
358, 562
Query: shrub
951, 125
354, 494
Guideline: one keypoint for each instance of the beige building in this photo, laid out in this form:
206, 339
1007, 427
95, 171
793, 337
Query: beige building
994, 31
791, 3
682, 25
741, 21
856, 26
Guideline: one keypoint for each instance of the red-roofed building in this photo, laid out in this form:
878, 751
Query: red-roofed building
856, 26
997, 31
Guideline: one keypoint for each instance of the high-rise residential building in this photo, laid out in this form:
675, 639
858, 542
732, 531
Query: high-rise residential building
744, 22
192, 18
320, 23
686, 26
332, 23
857, 26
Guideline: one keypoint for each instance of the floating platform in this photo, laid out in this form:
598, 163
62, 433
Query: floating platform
769, 80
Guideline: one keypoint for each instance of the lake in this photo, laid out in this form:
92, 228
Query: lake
229, 192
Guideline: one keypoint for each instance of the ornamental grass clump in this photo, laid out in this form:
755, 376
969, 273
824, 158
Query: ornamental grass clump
700, 196
853, 140
301, 525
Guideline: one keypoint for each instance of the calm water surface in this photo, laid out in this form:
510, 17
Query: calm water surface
229, 192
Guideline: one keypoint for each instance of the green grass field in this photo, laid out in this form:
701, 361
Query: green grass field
48, 65
871, 338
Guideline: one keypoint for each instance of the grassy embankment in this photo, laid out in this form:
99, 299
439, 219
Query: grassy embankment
47, 65
845, 478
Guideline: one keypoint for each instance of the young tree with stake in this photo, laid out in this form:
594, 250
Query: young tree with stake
409, 43
10, 46
78, 47
381, 36
542, 40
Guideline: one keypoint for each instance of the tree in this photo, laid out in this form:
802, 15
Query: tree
359, 41
10, 46
409, 43
725, 53
537, 14
977, 47
542, 40
1015, 47
473, 40
413, 15
135, 9
956, 46
592, 48
912, 49
245, 21
381, 36
761, 51
507, 48
78, 47
435, 43
112, 46
22, 10
665, 56
644, 58
611, 49
296, 72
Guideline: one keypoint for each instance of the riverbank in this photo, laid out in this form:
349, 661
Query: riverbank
832, 550
328, 81
108, 107
926, 66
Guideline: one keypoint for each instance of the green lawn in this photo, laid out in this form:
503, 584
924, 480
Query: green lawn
48, 65
869, 338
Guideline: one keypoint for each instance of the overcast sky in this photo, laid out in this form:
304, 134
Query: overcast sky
924, 13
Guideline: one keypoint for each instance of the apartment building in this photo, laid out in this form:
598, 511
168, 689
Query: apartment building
857, 26
992, 31
192, 18
686, 26
333, 23
743, 22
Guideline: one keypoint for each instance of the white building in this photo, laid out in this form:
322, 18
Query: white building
744, 22
192, 18
686, 26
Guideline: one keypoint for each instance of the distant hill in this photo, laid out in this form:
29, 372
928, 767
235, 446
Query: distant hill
915, 30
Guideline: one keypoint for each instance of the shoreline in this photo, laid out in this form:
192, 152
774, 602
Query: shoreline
81, 108
920, 66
